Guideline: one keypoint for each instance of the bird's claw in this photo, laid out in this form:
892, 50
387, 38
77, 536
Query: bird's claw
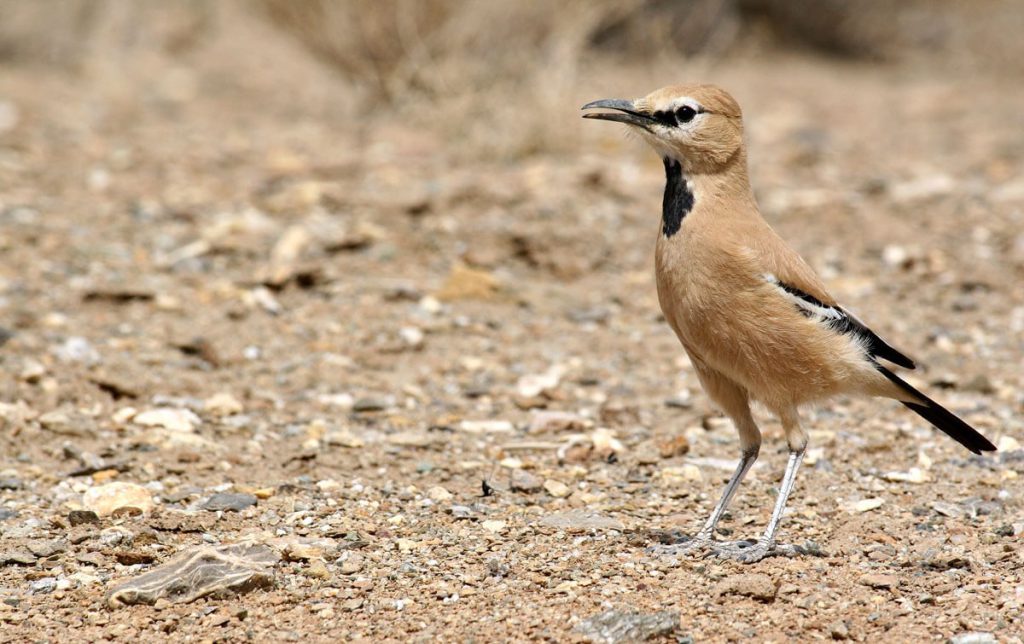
695, 544
743, 551
747, 551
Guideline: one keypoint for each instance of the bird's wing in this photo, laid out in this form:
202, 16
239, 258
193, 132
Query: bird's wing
797, 282
839, 320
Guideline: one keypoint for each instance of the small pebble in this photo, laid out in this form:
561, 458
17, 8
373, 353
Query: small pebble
106, 500
229, 502
557, 489
522, 481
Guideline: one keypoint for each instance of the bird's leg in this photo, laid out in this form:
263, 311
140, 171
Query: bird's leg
705, 537
747, 460
747, 553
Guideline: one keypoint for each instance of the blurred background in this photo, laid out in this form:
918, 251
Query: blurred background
493, 73
347, 259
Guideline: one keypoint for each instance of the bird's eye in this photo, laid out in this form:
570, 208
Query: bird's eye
685, 114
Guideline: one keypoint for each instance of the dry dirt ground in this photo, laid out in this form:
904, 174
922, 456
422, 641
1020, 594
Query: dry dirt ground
352, 328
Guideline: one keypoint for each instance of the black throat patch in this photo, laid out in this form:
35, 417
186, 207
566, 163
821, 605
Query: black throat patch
678, 200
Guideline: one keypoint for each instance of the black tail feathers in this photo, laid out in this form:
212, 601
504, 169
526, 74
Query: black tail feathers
941, 417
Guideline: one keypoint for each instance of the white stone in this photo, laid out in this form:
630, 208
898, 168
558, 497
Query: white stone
106, 499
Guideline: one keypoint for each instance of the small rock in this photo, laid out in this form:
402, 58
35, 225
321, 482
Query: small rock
879, 581
754, 585
298, 551
974, 638
343, 437
675, 446
980, 384
7, 513
365, 405
557, 489
352, 563
44, 585
894, 255
10, 483
622, 626
20, 556
412, 439
619, 414
82, 517
107, 499
923, 187
174, 419
83, 579
229, 501
430, 304
465, 283
202, 571
948, 509
605, 443
46, 548
222, 404
682, 400
531, 386
486, 427
77, 349
555, 421
946, 560
412, 336
134, 557
839, 631
1007, 444
32, 371
677, 476
439, 494
520, 480
865, 505
913, 475
716, 423
493, 526
580, 521
66, 424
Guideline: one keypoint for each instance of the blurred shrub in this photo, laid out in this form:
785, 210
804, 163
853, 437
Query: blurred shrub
490, 70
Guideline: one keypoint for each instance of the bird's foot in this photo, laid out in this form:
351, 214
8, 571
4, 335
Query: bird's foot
696, 544
747, 551
743, 551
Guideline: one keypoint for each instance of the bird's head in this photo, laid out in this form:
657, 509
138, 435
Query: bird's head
699, 125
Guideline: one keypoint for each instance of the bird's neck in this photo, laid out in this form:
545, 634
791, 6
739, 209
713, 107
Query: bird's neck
689, 187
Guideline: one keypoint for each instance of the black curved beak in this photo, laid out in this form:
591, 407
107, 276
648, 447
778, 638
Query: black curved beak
625, 112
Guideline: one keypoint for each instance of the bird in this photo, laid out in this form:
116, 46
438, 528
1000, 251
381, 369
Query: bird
756, 321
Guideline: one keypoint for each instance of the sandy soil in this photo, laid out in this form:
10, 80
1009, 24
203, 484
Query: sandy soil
363, 333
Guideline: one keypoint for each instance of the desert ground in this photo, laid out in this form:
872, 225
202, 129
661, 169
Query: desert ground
429, 389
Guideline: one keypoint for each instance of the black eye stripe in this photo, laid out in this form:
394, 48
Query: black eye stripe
682, 114
665, 118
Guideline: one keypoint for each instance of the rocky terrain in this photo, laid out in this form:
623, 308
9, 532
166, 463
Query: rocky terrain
275, 373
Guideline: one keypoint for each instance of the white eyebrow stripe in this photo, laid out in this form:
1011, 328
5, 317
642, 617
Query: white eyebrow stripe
685, 100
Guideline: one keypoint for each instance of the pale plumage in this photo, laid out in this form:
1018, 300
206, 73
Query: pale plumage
754, 318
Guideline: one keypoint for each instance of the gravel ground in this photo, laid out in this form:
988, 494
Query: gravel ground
382, 393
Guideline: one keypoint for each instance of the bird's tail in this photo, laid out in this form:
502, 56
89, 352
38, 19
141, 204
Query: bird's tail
939, 416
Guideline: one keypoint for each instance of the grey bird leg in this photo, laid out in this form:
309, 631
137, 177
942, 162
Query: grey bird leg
743, 551
706, 535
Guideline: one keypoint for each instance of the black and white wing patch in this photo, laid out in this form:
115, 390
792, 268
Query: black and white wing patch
840, 321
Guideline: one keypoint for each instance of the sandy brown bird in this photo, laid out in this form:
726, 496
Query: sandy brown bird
754, 318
